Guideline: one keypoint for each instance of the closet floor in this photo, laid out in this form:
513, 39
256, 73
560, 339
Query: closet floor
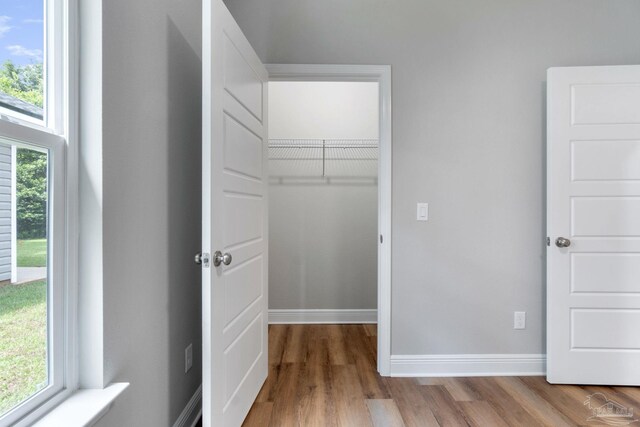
325, 375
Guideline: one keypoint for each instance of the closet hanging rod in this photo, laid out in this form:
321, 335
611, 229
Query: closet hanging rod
320, 146
327, 142
323, 143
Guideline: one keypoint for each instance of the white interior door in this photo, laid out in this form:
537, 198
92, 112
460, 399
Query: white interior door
593, 294
234, 207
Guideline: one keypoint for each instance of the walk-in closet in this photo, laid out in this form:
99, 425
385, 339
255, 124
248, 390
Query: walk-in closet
323, 202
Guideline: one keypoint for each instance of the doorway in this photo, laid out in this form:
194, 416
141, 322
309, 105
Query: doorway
314, 174
234, 212
323, 173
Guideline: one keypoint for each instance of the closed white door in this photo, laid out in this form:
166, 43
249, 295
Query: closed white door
593, 203
234, 211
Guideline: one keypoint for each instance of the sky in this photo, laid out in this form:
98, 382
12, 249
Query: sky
21, 31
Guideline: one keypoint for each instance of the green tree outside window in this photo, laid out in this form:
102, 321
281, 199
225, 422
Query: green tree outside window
25, 82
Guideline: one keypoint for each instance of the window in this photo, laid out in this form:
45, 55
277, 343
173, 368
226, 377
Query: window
35, 299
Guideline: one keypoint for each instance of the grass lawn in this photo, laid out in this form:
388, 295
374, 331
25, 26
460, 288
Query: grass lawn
32, 253
23, 326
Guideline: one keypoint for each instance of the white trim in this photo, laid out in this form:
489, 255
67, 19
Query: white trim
70, 70
83, 408
35, 136
468, 365
14, 214
54, 64
192, 412
322, 316
382, 75
89, 224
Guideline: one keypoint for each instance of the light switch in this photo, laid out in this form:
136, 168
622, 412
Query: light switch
423, 211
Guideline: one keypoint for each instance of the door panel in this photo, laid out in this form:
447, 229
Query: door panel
241, 355
243, 287
247, 212
241, 80
242, 150
620, 270
605, 103
605, 160
612, 329
234, 220
605, 216
593, 198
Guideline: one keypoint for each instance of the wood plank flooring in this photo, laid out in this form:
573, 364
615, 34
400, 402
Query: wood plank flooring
325, 375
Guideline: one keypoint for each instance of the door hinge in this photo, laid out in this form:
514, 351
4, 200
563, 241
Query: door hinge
381, 238
548, 241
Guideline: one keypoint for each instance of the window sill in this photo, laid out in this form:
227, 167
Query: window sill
83, 408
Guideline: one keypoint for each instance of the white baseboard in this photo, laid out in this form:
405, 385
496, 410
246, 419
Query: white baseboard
468, 365
191, 413
322, 316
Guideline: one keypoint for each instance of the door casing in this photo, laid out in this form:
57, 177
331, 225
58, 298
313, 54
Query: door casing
382, 75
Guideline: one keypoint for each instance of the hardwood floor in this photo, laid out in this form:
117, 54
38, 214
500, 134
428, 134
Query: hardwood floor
325, 375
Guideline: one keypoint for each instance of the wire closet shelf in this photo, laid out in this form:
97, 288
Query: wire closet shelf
323, 159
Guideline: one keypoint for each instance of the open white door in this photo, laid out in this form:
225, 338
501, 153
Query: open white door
234, 215
593, 203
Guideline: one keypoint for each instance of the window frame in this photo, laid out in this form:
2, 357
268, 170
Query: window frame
57, 134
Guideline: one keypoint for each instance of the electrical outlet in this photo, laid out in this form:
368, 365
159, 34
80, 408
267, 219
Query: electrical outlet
188, 358
519, 319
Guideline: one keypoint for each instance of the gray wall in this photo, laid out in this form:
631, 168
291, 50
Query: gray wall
5, 212
322, 246
468, 134
151, 144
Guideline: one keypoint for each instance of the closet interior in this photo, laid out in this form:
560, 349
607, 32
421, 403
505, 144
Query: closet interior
323, 201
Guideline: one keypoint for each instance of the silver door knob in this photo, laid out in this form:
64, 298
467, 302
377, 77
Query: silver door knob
563, 242
220, 258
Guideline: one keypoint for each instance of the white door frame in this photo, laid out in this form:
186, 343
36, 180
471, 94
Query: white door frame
382, 75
